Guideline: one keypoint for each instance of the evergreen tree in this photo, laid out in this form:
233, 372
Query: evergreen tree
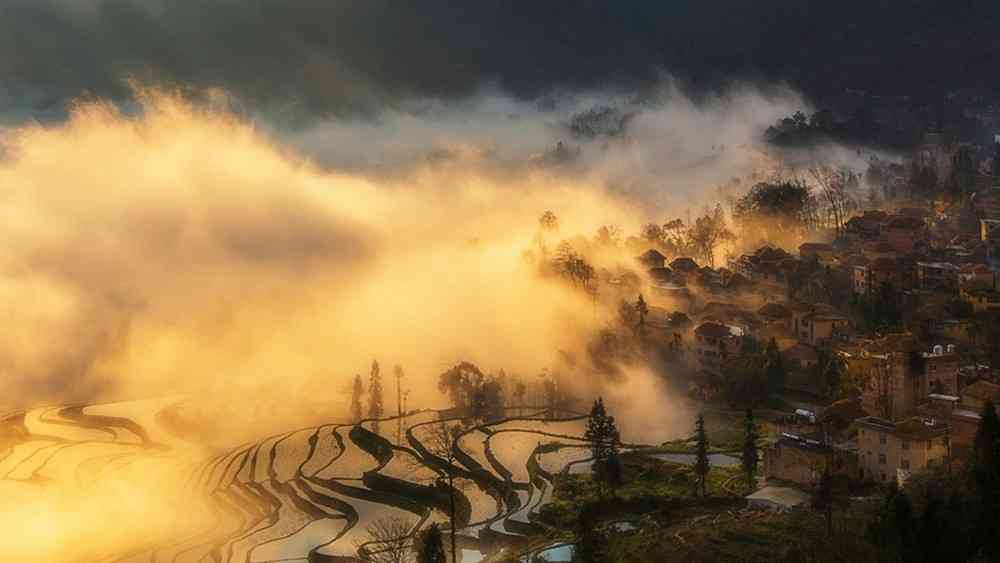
432, 547
829, 372
751, 454
613, 472
357, 411
957, 535
824, 498
893, 530
934, 545
591, 543
984, 481
701, 465
774, 369
603, 435
375, 405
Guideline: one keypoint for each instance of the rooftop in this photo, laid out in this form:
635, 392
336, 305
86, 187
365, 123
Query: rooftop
781, 497
918, 428
714, 330
774, 311
983, 391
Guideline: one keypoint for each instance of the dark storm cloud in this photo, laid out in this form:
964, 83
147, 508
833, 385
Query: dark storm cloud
304, 57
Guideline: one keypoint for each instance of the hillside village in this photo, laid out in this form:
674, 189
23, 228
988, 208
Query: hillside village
894, 324
861, 331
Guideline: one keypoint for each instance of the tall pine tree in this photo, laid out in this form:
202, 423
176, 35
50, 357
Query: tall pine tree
591, 543
613, 472
701, 465
774, 369
893, 532
375, 405
603, 435
824, 497
984, 481
751, 454
357, 411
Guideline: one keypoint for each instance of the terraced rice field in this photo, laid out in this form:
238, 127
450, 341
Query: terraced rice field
308, 495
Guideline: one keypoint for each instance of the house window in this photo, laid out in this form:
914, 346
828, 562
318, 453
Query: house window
881, 459
905, 464
906, 444
883, 476
881, 438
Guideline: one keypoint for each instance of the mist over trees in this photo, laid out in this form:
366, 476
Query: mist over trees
769, 208
480, 396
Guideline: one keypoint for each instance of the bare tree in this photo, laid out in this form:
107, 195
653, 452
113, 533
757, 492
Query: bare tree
707, 233
389, 541
442, 442
834, 184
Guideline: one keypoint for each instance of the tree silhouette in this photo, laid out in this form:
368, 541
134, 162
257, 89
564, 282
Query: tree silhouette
701, 465
824, 497
460, 383
642, 311
388, 541
751, 454
432, 547
520, 390
398, 373
893, 530
613, 472
708, 233
603, 435
774, 368
984, 480
442, 443
375, 404
357, 411
591, 543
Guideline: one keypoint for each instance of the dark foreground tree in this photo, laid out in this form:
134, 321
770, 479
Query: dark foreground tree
984, 481
442, 443
701, 465
751, 454
432, 547
591, 543
824, 498
774, 368
613, 472
893, 531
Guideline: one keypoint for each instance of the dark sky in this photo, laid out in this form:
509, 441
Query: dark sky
309, 57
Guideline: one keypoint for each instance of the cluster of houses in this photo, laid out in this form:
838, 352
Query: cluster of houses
918, 389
